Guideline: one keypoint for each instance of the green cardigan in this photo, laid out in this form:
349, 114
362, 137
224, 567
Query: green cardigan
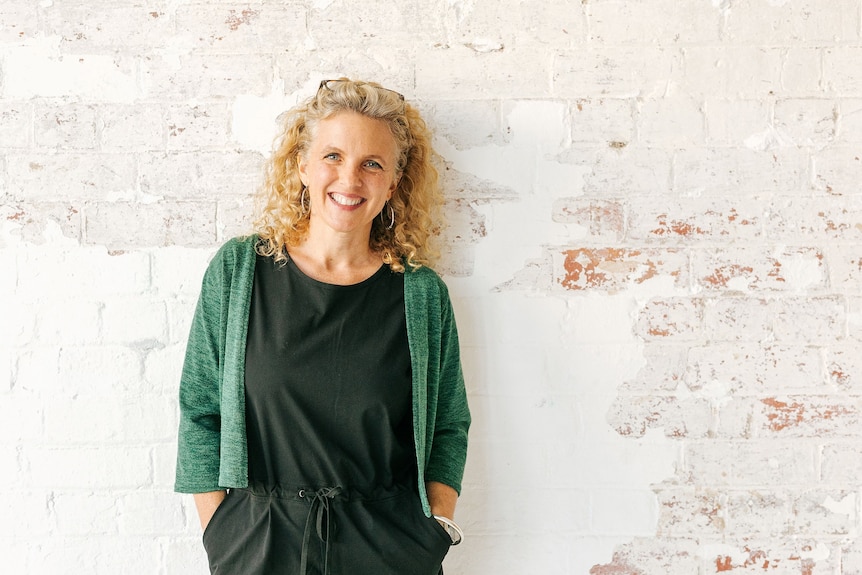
212, 452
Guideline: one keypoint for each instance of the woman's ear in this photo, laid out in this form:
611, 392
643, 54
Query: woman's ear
302, 168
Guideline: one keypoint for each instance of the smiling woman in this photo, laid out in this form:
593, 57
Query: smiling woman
324, 418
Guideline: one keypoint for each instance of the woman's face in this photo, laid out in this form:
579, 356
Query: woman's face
349, 171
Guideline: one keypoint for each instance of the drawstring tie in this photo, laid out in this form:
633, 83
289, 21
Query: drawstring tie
319, 513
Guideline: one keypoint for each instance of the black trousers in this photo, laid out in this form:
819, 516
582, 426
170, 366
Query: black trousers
324, 531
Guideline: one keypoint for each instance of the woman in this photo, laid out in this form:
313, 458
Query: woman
323, 418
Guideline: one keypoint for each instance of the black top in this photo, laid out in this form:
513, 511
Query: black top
328, 381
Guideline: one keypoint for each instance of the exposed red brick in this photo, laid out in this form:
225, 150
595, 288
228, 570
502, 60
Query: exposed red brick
618, 566
724, 274
789, 414
236, 20
612, 268
723, 564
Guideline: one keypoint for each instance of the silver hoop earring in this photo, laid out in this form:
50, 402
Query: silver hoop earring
391, 217
303, 199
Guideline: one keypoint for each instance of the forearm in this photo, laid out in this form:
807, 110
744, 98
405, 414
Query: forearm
206, 504
442, 499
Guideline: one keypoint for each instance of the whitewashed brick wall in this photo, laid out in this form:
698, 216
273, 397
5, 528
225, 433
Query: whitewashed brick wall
655, 252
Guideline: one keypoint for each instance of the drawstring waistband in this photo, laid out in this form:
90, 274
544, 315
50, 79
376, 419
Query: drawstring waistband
318, 512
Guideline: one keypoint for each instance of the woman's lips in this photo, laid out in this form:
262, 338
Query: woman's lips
346, 201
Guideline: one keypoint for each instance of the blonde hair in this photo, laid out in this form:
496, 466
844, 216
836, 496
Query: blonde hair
282, 220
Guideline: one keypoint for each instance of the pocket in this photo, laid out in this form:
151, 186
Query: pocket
220, 510
438, 529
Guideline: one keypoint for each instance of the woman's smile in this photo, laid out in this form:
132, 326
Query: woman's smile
346, 201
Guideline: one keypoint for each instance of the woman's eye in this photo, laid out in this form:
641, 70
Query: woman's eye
331, 156
373, 164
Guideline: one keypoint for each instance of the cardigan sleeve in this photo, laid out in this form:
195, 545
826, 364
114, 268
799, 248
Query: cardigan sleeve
448, 453
199, 396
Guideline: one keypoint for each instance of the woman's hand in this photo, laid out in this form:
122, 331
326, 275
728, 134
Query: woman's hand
207, 503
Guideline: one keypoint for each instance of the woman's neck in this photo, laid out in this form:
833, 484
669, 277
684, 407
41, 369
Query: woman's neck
336, 259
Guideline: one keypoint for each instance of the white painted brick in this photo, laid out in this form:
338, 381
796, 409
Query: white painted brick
793, 22
90, 77
837, 170
694, 220
162, 366
37, 370
671, 122
828, 219
201, 175
88, 272
751, 463
132, 127
86, 513
615, 172
36, 223
732, 121
127, 225
302, 70
165, 467
850, 121
101, 369
197, 127
749, 369
839, 70
462, 72
16, 121
105, 26
624, 512
71, 321
658, 22
738, 319
19, 22
100, 467
10, 467
235, 28
841, 463
465, 123
807, 123
153, 513
96, 555
8, 368
721, 171
25, 512
603, 121
812, 319
621, 72
185, 556
65, 126
100, 419
21, 417
190, 77
180, 314
235, 218
750, 269
71, 175
178, 271
19, 324
802, 71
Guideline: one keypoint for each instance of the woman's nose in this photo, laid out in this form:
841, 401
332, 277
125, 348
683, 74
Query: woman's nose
350, 176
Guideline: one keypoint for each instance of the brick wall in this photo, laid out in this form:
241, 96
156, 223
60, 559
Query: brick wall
654, 249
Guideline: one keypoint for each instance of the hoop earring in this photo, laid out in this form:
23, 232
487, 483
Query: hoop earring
302, 200
391, 217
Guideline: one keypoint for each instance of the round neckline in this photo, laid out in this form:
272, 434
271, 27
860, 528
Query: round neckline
295, 270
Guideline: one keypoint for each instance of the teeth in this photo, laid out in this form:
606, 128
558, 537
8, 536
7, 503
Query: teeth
345, 201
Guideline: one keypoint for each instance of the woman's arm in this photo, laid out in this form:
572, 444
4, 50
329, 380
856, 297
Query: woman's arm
207, 503
442, 499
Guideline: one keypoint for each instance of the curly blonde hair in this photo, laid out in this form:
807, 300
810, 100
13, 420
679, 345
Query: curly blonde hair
282, 220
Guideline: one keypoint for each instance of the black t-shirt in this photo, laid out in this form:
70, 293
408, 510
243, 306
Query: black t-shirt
328, 381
